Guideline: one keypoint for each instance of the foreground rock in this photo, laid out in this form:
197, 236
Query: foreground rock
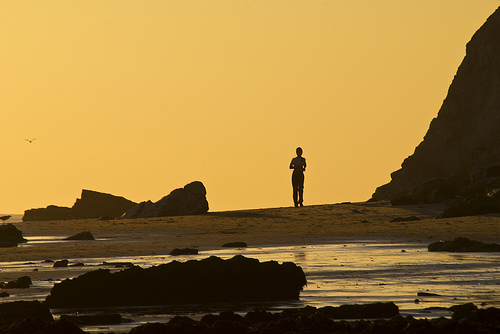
11, 312
460, 154
92, 204
85, 235
466, 319
462, 245
25, 317
190, 200
210, 280
10, 236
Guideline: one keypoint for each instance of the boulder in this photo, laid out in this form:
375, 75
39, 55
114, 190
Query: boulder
210, 280
465, 135
10, 235
14, 311
60, 264
85, 235
92, 204
462, 245
184, 251
22, 282
190, 200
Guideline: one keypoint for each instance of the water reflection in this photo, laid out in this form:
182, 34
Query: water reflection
337, 274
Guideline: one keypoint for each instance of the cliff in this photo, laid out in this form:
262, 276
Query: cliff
464, 139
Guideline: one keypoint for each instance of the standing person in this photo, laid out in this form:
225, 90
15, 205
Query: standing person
298, 164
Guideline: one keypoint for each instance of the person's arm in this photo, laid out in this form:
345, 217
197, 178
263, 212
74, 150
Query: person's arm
292, 166
304, 164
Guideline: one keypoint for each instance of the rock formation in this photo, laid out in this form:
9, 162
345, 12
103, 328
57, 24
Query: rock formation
463, 141
462, 244
190, 200
92, 204
10, 236
210, 280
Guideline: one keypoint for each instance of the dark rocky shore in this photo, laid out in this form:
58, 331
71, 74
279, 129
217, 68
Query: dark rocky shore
34, 317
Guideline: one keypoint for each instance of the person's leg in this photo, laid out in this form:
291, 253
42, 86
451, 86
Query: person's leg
295, 187
300, 190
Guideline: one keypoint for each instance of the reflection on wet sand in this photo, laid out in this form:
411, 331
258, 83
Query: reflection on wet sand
338, 273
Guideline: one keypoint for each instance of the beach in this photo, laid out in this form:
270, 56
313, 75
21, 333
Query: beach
350, 253
317, 224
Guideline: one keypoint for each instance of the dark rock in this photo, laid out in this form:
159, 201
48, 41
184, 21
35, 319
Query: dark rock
22, 282
427, 294
14, 311
6, 244
237, 244
4, 294
184, 251
190, 200
150, 328
38, 326
462, 245
460, 311
466, 319
209, 280
405, 219
363, 311
92, 204
465, 134
60, 264
10, 235
475, 205
432, 191
86, 235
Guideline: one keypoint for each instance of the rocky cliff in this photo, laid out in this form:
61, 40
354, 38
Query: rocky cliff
92, 204
464, 138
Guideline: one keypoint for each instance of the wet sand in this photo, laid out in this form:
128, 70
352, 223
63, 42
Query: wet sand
318, 224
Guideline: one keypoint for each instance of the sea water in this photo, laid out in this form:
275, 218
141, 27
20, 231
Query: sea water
337, 273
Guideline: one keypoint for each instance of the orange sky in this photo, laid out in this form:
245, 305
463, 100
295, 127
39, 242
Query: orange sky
137, 98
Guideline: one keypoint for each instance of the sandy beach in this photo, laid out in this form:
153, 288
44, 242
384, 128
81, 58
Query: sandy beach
315, 224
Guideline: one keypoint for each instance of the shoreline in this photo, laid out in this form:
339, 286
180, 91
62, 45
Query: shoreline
317, 224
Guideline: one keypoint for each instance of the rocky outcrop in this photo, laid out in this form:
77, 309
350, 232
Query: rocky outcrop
10, 236
465, 319
210, 280
464, 139
190, 200
462, 245
15, 311
22, 282
85, 235
92, 204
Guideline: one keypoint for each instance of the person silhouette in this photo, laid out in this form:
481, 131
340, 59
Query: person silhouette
298, 164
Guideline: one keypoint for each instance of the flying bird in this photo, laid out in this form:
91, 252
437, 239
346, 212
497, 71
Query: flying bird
30, 140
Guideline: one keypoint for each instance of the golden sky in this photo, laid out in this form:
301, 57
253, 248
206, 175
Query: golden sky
137, 98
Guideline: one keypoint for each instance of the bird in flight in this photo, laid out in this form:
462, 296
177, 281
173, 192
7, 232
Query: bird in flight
30, 140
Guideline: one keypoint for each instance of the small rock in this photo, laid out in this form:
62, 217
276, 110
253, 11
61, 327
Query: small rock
22, 282
427, 294
86, 235
60, 264
237, 244
184, 251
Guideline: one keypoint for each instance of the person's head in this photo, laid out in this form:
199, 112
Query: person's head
299, 151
